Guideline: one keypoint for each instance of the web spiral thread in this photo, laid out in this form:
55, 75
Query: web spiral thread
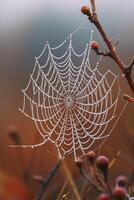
70, 103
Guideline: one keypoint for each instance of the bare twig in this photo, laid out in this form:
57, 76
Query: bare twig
117, 42
131, 65
98, 189
99, 178
114, 159
45, 182
62, 190
127, 70
71, 181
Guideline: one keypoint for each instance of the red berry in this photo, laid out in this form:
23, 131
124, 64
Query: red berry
119, 193
121, 181
91, 156
103, 196
103, 163
79, 163
94, 45
85, 10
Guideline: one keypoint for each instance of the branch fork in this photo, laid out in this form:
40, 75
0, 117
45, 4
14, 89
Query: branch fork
93, 18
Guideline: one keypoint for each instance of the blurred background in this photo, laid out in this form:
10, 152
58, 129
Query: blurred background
25, 26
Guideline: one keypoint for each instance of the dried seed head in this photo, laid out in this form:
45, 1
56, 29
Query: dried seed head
79, 163
103, 196
121, 181
13, 133
119, 193
103, 163
85, 10
94, 45
91, 156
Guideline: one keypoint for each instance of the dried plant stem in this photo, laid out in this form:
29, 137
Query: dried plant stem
114, 159
45, 182
127, 70
71, 181
107, 184
98, 189
62, 189
99, 178
86, 191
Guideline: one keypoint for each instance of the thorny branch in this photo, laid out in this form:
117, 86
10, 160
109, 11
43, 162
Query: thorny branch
127, 70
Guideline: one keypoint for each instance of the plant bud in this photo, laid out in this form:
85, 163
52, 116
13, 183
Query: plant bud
91, 156
94, 45
103, 163
85, 10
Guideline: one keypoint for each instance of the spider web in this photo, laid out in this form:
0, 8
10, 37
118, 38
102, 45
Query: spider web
71, 104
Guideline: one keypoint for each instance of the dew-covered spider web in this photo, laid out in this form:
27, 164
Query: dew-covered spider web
71, 103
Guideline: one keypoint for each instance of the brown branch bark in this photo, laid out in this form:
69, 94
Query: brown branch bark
126, 70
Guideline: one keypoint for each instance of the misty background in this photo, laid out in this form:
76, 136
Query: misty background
25, 26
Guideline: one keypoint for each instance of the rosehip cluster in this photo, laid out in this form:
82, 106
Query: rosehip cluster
99, 172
